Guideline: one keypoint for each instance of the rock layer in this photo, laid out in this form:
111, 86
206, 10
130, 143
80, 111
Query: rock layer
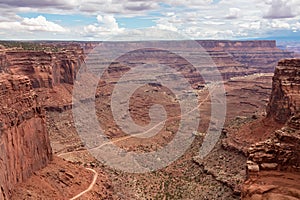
278, 156
281, 152
255, 56
45, 69
285, 98
49, 68
24, 142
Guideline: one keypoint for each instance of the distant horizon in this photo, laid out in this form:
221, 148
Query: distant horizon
242, 40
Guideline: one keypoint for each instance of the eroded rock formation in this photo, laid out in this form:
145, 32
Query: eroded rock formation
285, 98
281, 152
49, 68
24, 142
255, 56
45, 69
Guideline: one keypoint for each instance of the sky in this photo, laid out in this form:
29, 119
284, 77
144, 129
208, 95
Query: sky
195, 19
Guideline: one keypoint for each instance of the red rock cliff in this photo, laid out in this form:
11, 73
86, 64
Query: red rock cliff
227, 44
285, 97
24, 142
45, 69
274, 165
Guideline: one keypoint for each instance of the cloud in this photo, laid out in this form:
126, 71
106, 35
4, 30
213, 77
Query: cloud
279, 9
189, 3
167, 26
296, 27
62, 4
140, 6
39, 23
234, 13
169, 22
204, 19
108, 22
83, 6
276, 24
256, 25
106, 26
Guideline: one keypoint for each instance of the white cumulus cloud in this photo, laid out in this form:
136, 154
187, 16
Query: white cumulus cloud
39, 23
280, 9
107, 26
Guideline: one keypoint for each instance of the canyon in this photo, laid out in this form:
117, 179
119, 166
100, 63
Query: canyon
40, 78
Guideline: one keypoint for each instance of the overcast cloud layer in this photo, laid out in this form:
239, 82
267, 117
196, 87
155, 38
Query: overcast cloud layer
197, 19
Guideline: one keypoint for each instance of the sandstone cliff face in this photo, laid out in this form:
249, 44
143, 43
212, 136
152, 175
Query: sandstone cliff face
45, 69
65, 65
34, 64
255, 56
24, 142
285, 97
281, 152
230, 45
3, 60
234, 58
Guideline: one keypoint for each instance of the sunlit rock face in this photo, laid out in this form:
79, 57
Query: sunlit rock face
285, 97
24, 142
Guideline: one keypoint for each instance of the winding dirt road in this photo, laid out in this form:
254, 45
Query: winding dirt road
90, 187
125, 138
114, 141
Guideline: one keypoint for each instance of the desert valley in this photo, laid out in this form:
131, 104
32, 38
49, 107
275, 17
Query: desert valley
256, 157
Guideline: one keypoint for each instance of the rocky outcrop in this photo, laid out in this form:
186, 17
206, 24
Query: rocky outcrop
45, 69
66, 64
278, 156
281, 152
34, 64
285, 98
3, 60
256, 56
24, 142
234, 45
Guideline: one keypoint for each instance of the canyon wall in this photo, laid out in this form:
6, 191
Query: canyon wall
233, 45
3, 60
278, 156
45, 69
258, 56
65, 65
24, 142
283, 149
233, 58
285, 98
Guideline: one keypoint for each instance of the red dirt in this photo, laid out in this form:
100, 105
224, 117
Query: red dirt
273, 185
241, 137
63, 180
